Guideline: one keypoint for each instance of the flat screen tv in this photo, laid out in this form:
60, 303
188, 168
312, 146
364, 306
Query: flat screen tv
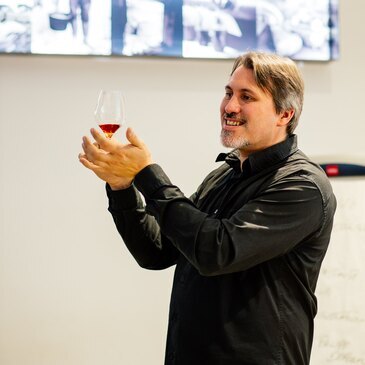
300, 29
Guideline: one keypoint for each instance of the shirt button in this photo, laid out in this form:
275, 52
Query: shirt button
182, 278
171, 356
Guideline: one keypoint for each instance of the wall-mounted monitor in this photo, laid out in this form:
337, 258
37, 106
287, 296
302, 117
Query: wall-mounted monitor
299, 29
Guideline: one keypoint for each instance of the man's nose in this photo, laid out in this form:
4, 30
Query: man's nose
232, 105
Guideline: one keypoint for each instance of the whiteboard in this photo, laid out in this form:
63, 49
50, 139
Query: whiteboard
339, 337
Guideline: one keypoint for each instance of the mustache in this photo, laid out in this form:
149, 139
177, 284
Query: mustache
233, 116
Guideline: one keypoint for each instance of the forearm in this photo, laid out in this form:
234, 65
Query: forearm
247, 238
140, 232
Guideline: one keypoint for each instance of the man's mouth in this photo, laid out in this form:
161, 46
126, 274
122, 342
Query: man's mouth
231, 120
234, 122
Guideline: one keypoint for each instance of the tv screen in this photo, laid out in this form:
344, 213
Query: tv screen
299, 29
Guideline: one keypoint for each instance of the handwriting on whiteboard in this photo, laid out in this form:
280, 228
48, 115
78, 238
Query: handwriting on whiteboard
339, 337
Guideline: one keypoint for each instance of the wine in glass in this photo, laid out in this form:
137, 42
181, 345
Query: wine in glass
110, 112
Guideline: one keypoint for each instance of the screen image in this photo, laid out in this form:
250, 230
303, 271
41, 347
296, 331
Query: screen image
299, 29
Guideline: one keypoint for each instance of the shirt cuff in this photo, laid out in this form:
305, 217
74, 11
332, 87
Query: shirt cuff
150, 180
121, 200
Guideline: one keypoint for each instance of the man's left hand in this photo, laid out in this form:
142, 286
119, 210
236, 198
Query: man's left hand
114, 162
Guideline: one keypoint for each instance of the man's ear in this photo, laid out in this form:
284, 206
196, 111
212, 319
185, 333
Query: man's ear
285, 117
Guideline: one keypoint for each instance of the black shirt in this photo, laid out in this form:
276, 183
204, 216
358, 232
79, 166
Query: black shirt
248, 247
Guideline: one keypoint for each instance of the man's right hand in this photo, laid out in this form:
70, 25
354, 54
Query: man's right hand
114, 162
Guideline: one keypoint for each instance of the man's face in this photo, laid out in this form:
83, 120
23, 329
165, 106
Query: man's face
248, 117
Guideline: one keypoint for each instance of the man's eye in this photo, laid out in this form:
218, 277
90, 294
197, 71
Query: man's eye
246, 97
227, 95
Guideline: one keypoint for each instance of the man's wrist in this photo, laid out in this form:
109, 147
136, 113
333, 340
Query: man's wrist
123, 186
122, 200
151, 179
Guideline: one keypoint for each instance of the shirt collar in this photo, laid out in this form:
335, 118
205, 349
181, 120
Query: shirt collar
262, 159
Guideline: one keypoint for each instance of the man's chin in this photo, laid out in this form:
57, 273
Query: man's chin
228, 140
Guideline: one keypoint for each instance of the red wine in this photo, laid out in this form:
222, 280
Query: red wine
109, 129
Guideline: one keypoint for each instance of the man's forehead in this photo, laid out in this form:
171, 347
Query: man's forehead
242, 78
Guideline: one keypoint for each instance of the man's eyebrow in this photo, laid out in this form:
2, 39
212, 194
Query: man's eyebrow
243, 90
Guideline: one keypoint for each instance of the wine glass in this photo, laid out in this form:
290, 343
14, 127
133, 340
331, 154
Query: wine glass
110, 111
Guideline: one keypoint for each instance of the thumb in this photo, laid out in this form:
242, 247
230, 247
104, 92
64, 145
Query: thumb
134, 139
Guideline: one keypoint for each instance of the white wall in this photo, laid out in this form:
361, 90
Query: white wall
69, 291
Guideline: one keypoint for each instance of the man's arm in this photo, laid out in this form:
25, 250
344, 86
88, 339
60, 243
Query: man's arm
140, 231
214, 246
117, 164
266, 227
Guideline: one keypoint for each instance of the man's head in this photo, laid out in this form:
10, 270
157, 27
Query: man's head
263, 102
280, 77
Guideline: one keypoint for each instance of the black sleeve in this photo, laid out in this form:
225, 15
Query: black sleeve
266, 227
140, 232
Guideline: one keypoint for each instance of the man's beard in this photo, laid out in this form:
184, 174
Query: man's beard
228, 139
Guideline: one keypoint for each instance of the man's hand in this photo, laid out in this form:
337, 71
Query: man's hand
114, 162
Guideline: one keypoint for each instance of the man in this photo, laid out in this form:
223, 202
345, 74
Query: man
118, 25
84, 6
248, 245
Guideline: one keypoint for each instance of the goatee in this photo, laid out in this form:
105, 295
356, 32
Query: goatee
228, 139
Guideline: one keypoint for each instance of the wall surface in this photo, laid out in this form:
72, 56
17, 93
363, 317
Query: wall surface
69, 291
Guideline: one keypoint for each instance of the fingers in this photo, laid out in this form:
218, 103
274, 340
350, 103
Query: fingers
88, 147
92, 151
86, 162
105, 152
107, 144
99, 137
134, 139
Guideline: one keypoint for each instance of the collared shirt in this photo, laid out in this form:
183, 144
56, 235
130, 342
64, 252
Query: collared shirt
248, 247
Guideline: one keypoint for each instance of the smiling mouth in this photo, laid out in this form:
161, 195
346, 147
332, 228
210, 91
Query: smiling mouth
231, 120
234, 123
